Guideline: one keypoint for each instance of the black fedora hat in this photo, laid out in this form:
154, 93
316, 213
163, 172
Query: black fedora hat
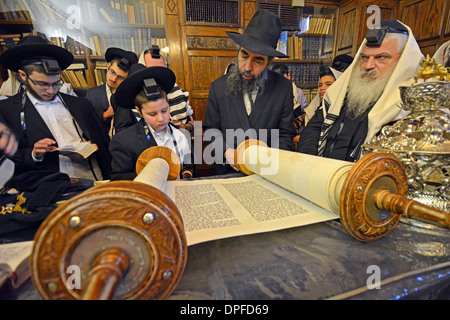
261, 35
34, 48
135, 83
127, 58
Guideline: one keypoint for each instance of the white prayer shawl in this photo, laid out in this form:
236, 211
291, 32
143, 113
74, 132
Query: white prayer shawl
386, 109
443, 53
310, 110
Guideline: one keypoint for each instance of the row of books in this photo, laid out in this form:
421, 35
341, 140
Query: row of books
317, 24
131, 12
135, 40
75, 76
305, 74
300, 47
18, 10
310, 93
149, 12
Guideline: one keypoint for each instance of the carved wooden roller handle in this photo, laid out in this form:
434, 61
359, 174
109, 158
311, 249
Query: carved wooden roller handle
386, 200
107, 271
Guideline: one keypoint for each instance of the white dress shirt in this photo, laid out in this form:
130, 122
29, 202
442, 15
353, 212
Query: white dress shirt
62, 126
165, 138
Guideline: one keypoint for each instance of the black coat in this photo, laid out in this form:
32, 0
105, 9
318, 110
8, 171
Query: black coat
125, 147
272, 110
99, 100
36, 129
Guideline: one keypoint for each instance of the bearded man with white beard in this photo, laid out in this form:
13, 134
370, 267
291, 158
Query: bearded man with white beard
366, 96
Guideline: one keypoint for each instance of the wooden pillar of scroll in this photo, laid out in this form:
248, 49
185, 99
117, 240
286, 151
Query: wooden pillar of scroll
370, 195
120, 240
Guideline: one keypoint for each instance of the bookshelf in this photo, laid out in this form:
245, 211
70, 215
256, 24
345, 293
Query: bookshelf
86, 28
307, 38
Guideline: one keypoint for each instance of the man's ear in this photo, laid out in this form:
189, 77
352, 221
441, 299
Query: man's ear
22, 74
139, 110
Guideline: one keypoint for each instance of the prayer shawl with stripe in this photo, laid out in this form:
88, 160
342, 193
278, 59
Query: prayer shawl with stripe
386, 109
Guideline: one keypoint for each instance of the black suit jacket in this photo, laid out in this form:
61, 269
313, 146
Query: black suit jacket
36, 129
125, 147
271, 110
99, 100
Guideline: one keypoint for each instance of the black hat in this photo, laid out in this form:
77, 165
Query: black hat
32, 49
126, 58
261, 35
374, 37
142, 78
341, 62
325, 71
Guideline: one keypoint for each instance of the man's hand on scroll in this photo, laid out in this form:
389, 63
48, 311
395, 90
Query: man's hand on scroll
229, 156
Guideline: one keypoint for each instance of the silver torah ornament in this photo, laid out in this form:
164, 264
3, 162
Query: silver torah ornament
421, 140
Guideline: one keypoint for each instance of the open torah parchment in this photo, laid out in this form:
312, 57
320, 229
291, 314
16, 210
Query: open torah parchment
221, 208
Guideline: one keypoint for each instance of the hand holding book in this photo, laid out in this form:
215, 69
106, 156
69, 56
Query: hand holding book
85, 149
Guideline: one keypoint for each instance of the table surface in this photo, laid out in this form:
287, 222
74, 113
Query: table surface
319, 261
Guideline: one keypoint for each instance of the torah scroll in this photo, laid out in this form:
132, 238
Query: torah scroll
287, 190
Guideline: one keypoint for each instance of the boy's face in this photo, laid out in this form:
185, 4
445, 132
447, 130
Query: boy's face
156, 113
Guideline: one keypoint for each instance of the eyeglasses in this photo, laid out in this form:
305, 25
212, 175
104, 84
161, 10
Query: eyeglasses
114, 74
44, 85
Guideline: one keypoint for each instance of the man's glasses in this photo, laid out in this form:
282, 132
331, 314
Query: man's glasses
114, 74
44, 85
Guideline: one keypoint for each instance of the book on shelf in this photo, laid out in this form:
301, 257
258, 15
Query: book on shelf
317, 24
75, 76
283, 42
81, 78
8, 40
106, 15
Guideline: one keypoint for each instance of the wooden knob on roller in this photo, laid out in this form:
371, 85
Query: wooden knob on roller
370, 195
374, 197
163, 153
124, 239
239, 159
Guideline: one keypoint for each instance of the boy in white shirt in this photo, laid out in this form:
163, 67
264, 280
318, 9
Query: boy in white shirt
146, 89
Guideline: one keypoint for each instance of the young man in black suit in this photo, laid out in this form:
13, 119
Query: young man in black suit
119, 63
44, 119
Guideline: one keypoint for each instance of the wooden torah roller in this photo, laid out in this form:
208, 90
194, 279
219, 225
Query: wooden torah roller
120, 240
371, 195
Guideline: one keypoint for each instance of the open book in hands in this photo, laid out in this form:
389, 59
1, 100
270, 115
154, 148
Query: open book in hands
85, 149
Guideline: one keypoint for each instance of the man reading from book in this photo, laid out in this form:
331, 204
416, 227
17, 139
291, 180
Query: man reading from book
251, 98
45, 120
119, 63
366, 96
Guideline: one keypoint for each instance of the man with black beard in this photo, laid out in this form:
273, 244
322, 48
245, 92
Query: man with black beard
251, 101
44, 119
366, 96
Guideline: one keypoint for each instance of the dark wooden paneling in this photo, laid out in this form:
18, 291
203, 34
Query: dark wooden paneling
424, 17
347, 30
388, 11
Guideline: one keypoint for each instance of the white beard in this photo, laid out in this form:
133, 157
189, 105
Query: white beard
364, 92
